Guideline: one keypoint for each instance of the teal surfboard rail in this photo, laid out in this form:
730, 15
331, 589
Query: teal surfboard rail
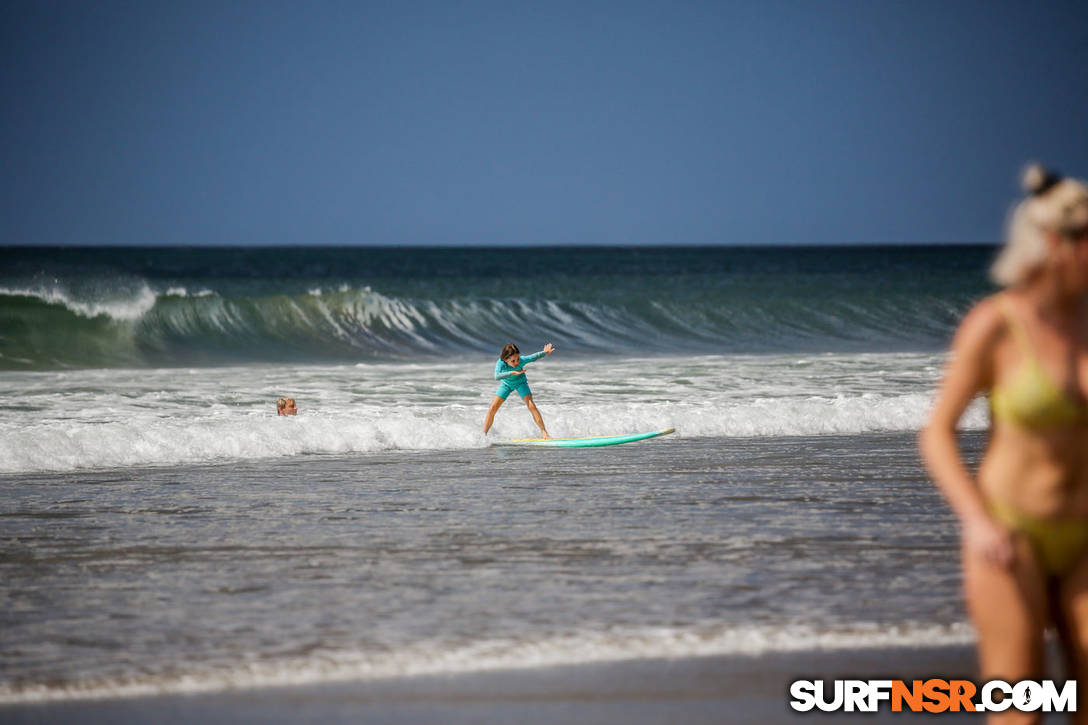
590, 442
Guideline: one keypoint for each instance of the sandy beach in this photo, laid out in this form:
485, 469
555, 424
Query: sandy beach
733, 689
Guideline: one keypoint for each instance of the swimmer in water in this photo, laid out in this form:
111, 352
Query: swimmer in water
511, 376
286, 406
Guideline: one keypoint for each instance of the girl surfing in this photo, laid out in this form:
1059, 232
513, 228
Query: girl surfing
511, 376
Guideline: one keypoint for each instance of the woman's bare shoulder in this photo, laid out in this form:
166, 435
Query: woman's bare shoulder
984, 324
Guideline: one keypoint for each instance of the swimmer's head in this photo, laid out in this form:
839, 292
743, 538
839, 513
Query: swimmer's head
286, 406
1046, 227
509, 351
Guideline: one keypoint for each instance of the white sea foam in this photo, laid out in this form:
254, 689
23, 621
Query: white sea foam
431, 658
144, 440
126, 307
184, 292
106, 419
341, 288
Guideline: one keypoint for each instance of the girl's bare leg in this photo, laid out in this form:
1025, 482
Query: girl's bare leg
536, 416
1073, 627
495, 403
1009, 611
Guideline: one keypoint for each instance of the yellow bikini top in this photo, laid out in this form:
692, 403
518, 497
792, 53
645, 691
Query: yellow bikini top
1030, 398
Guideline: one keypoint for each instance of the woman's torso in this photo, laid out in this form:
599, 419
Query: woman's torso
1037, 457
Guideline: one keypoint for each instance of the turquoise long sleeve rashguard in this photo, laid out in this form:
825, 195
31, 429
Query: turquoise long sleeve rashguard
509, 381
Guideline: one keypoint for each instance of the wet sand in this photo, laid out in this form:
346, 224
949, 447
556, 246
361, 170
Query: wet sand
732, 689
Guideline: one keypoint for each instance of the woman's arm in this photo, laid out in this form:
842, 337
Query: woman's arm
969, 372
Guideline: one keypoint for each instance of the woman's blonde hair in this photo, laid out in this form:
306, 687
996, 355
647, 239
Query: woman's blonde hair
1053, 204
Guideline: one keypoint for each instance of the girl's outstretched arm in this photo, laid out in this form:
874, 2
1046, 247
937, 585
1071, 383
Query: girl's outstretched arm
548, 350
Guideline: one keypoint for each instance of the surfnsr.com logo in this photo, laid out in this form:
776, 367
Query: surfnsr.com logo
933, 696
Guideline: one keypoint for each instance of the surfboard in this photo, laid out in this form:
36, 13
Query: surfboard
590, 442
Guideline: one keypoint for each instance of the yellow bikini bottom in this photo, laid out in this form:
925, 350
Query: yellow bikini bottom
1059, 543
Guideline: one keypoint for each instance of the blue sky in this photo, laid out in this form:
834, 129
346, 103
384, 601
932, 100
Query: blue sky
548, 122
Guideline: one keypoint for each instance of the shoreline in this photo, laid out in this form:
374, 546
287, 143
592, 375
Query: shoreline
712, 689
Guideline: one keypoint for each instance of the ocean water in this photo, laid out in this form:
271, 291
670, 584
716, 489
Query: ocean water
115, 308
161, 530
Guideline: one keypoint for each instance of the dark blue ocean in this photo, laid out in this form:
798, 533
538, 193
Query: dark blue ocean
147, 307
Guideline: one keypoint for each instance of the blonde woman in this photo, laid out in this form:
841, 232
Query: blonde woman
286, 406
1024, 516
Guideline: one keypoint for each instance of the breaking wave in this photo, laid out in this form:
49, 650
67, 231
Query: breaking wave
48, 327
